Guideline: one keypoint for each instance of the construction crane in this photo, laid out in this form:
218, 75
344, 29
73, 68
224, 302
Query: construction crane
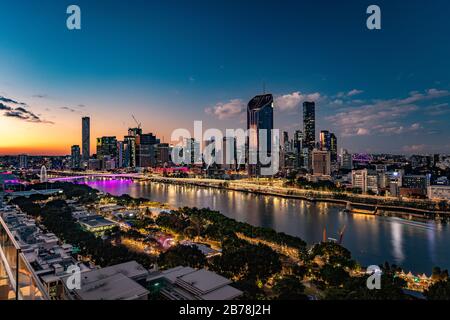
137, 122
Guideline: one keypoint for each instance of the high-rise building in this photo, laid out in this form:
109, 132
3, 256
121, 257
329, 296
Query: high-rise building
325, 140
191, 152
229, 153
346, 160
129, 151
86, 137
366, 180
298, 145
259, 117
145, 150
106, 149
75, 160
309, 125
162, 154
321, 163
333, 147
120, 154
23, 161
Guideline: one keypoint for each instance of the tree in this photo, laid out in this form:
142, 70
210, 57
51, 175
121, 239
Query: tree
290, 288
334, 276
438, 291
246, 261
181, 255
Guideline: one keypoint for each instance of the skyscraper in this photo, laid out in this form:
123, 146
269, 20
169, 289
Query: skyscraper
129, 151
106, 149
162, 154
145, 150
333, 147
325, 140
259, 117
309, 124
346, 160
298, 147
75, 160
86, 136
321, 163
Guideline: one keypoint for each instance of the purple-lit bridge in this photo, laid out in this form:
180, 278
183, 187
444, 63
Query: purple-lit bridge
55, 176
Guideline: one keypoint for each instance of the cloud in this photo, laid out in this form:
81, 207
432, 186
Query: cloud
4, 107
232, 109
40, 96
351, 93
438, 109
383, 116
21, 113
354, 92
69, 109
293, 100
8, 100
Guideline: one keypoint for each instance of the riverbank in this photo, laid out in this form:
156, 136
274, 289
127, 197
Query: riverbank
311, 196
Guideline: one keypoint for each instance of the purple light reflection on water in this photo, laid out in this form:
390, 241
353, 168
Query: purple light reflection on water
116, 187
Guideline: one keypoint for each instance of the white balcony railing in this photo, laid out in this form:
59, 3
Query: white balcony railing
18, 281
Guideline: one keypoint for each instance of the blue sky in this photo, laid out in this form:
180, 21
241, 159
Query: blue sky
173, 62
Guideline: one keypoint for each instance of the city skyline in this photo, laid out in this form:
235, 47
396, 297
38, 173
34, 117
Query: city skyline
375, 93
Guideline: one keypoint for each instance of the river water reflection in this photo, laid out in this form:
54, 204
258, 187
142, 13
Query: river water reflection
415, 246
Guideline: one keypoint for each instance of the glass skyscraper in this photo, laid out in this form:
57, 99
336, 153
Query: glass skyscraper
259, 116
309, 125
86, 137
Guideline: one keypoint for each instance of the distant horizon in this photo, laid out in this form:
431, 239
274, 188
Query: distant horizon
379, 91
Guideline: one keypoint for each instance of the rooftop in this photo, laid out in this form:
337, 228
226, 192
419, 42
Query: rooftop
260, 101
115, 287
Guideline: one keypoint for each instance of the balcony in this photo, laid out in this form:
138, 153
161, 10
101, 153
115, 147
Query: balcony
18, 281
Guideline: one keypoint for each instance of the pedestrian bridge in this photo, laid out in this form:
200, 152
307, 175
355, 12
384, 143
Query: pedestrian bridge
55, 176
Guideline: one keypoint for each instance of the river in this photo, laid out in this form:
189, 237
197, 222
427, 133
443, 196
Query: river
415, 246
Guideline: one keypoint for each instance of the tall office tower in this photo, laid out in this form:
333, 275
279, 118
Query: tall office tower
333, 147
106, 146
86, 137
23, 161
120, 154
145, 150
191, 152
325, 140
259, 117
309, 124
321, 163
162, 154
229, 153
75, 160
298, 148
129, 151
106, 149
346, 160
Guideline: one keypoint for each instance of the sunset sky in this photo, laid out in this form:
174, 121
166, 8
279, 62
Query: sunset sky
172, 62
